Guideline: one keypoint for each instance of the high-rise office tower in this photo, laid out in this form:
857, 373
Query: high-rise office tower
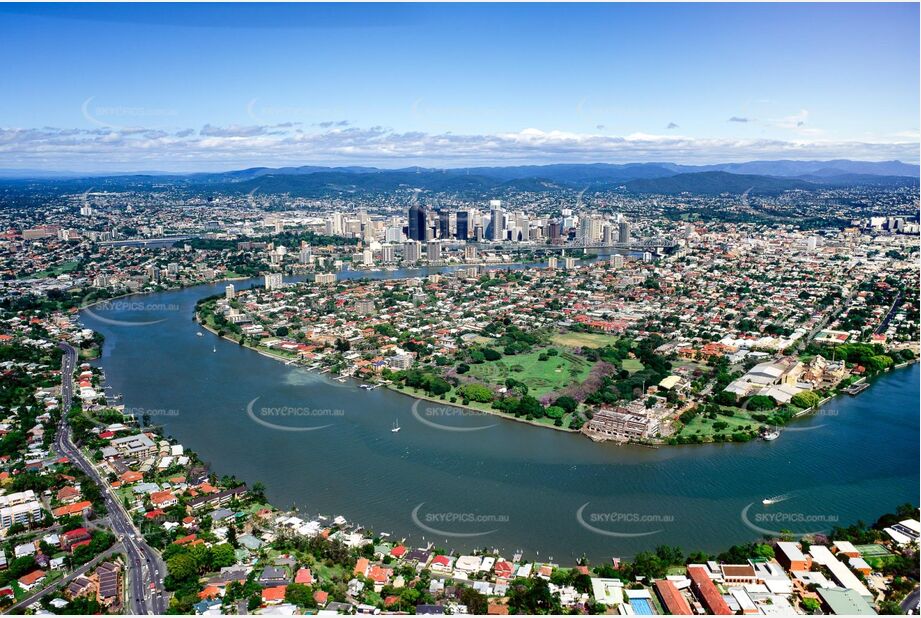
462, 225
444, 224
418, 222
555, 232
496, 220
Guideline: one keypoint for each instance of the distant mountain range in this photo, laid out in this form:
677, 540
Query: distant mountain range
766, 177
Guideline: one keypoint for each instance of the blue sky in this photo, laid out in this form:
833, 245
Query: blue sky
197, 87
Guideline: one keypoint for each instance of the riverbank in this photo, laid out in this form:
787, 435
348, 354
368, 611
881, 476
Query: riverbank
419, 395
391, 387
415, 394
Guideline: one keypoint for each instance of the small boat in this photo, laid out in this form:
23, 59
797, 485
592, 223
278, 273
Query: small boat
396, 427
770, 435
199, 334
214, 349
774, 500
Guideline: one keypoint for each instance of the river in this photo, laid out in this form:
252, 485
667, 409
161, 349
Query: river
327, 447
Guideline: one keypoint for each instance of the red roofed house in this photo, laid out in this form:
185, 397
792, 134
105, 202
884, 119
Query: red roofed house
379, 575
274, 595
73, 539
321, 597
303, 576
163, 499
361, 567
398, 551
73, 509
68, 495
131, 477
30, 580
503, 569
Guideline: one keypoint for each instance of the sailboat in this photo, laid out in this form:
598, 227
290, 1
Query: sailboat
396, 427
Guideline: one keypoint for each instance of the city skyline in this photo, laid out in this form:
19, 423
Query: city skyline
200, 88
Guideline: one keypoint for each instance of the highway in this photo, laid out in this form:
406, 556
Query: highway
145, 567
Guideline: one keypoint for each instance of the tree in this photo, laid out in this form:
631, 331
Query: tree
760, 402
491, 355
567, 403
475, 392
301, 595
805, 399
474, 600
182, 567
222, 556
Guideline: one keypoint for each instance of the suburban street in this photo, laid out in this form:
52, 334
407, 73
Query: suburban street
910, 603
117, 548
146, 569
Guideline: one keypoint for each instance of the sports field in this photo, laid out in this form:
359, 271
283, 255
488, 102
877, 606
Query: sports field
541, 377
579, 340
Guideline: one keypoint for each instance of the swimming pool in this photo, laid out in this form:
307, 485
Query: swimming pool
641, 607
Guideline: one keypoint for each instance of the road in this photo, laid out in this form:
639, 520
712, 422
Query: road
65, 580
145, 567
910, 603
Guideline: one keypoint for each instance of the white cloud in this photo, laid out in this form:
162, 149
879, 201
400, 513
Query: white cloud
215, 147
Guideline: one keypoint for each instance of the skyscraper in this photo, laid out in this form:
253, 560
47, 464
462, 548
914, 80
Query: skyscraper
555, 232
444, 224
418, 221
412, 251
496, 220
462, 225
624, 232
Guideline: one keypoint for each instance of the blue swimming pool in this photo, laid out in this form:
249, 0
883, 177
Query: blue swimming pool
641, 607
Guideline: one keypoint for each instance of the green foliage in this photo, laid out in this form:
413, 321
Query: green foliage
475, 392
760, 402
805, 399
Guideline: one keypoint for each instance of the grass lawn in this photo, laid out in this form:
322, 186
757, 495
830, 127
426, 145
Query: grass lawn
703, 426
541, 377
486, 407
578, 340
60, 269
632, 365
